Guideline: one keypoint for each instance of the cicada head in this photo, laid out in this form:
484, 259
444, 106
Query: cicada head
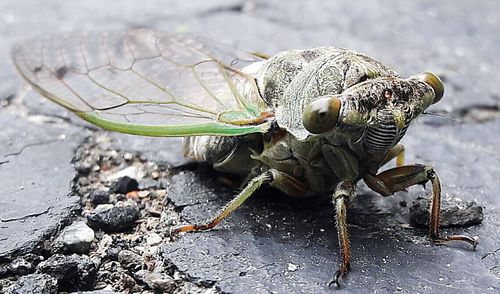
385, 106
380, 109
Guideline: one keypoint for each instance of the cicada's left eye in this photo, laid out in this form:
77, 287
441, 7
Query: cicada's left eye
321, 115
436, 84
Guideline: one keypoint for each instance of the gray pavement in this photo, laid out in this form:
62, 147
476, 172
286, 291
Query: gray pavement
274, 244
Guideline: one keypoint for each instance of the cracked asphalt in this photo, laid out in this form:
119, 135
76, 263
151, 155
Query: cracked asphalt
273, 243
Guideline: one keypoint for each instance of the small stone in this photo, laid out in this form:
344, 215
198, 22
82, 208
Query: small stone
127, 156
20, 266
72, 272
153, 239
147, 183
75, 238
83, 168
454, 212
292, 267
161, 193
127, 282
124, 185
99, 197
111, 218
116, 245
120, 197
143, 194
103, 245
34, 283
177, 276
130, 259
157, 281
132, 196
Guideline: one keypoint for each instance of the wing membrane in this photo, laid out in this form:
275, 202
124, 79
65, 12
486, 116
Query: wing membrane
144, 82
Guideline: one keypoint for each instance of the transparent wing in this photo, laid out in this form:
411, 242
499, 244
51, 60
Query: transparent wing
146, 82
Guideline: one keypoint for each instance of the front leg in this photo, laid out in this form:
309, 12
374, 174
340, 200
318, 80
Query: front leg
400, 178
343, 192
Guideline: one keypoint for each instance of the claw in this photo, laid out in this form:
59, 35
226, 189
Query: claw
174, 231
339, 274
335, 279
474, 241
188, 228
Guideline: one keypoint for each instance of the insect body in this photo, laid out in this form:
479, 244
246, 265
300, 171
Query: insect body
307, 122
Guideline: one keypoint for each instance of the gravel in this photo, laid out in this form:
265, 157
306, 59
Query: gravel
75, 238
113, 218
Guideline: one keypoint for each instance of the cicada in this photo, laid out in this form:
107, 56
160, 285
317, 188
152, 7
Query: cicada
307, 122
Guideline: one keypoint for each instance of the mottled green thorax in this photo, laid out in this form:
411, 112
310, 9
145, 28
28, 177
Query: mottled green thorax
376, 104
290, 80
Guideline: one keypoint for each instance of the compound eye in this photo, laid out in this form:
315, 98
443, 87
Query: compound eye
321, 115
436, 84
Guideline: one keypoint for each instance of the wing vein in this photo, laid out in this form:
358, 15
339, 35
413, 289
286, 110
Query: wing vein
181, 111
164, 89
231, 86
84, 57
196, 75
62, 80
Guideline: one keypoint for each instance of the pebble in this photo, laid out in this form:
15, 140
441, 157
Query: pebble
143, 194
128, 282
130, 259
292, 267
83, 168
117, 245
153, 239
161, 193
111, 218
73, 272
20, 266
155, 175
124, 185
454, 212
99, 197
34, 283
75, 238
148, 183
157, 281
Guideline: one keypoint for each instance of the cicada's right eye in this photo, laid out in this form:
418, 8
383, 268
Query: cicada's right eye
321, 115
436, 84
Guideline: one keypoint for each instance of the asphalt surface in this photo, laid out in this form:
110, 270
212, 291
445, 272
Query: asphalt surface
274, 244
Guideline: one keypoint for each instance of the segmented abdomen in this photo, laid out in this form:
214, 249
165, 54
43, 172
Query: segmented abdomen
211, 149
